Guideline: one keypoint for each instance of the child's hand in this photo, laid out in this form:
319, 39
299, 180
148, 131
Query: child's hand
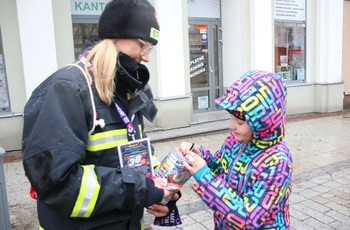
196, 162
186, 146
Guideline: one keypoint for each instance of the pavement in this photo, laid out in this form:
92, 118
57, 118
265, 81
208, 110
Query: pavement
320, 198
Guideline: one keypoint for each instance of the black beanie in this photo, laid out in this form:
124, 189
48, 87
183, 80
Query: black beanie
129, 19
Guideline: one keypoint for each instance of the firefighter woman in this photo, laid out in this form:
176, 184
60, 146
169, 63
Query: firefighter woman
77, 117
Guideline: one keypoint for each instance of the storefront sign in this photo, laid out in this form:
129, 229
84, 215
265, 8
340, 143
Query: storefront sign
293, 10
88, 7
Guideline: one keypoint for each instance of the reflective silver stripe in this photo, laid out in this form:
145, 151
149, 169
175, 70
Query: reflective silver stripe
104, 140
88, 193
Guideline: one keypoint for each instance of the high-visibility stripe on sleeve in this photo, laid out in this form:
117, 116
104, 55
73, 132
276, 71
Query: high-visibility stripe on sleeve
88, 194
106, 140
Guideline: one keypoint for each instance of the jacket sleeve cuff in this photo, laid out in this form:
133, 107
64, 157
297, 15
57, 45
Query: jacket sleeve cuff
155, 195
201, 172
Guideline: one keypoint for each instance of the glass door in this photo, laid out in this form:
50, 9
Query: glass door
205, 64
4, 94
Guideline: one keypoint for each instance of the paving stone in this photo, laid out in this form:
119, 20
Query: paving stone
187, 220
332, 184
201, 216
321, 179
196, 226
320, 200
316, 215
296, 224
308, 193
317, 224
345, 219
297, 188
339, 225
209, 224
316, 206
296, 198
340, 208
342, 180
297, 214
307, 184
327, 195
321, 189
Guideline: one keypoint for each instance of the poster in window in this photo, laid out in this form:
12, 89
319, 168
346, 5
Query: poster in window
300, 74
284, 60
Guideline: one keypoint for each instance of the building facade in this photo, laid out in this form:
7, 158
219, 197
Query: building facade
204, 46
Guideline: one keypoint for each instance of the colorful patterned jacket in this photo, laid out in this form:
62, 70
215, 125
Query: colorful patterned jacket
248, 188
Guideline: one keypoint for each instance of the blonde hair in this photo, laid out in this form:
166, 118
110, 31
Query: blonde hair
103, 57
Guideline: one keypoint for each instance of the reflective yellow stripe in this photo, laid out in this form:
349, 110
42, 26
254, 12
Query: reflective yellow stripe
41, 228
109, 139
140, 130
106, 140
89, 190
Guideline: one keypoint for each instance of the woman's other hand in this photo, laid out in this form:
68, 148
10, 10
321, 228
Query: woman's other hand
159, 210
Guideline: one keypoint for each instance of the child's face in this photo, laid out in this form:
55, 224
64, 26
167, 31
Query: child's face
241, 129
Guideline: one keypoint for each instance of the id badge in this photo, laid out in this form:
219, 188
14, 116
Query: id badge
137, 154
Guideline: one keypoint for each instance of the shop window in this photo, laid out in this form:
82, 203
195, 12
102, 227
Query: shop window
290, 50
4, 95
81, 33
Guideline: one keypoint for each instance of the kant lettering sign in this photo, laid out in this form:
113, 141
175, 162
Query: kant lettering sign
88, 7
293, 10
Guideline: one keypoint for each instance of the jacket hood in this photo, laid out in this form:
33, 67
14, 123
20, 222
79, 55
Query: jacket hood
261, 96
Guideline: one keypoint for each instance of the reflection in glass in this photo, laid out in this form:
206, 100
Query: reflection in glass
290, 50
4, 95
81, 33
198, 39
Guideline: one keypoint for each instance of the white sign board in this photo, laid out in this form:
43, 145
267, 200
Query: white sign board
292, 10
88, 7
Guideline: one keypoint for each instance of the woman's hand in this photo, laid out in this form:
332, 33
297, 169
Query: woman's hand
159, 210
161, 183
195, 162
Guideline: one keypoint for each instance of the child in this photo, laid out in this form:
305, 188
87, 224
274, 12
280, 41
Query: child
247, 182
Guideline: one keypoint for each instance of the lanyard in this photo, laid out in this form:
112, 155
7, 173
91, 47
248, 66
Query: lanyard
126, 121
124, 117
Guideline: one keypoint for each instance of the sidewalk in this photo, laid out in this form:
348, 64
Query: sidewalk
321, 181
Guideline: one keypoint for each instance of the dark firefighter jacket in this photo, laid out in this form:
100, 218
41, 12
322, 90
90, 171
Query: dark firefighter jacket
76, 175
